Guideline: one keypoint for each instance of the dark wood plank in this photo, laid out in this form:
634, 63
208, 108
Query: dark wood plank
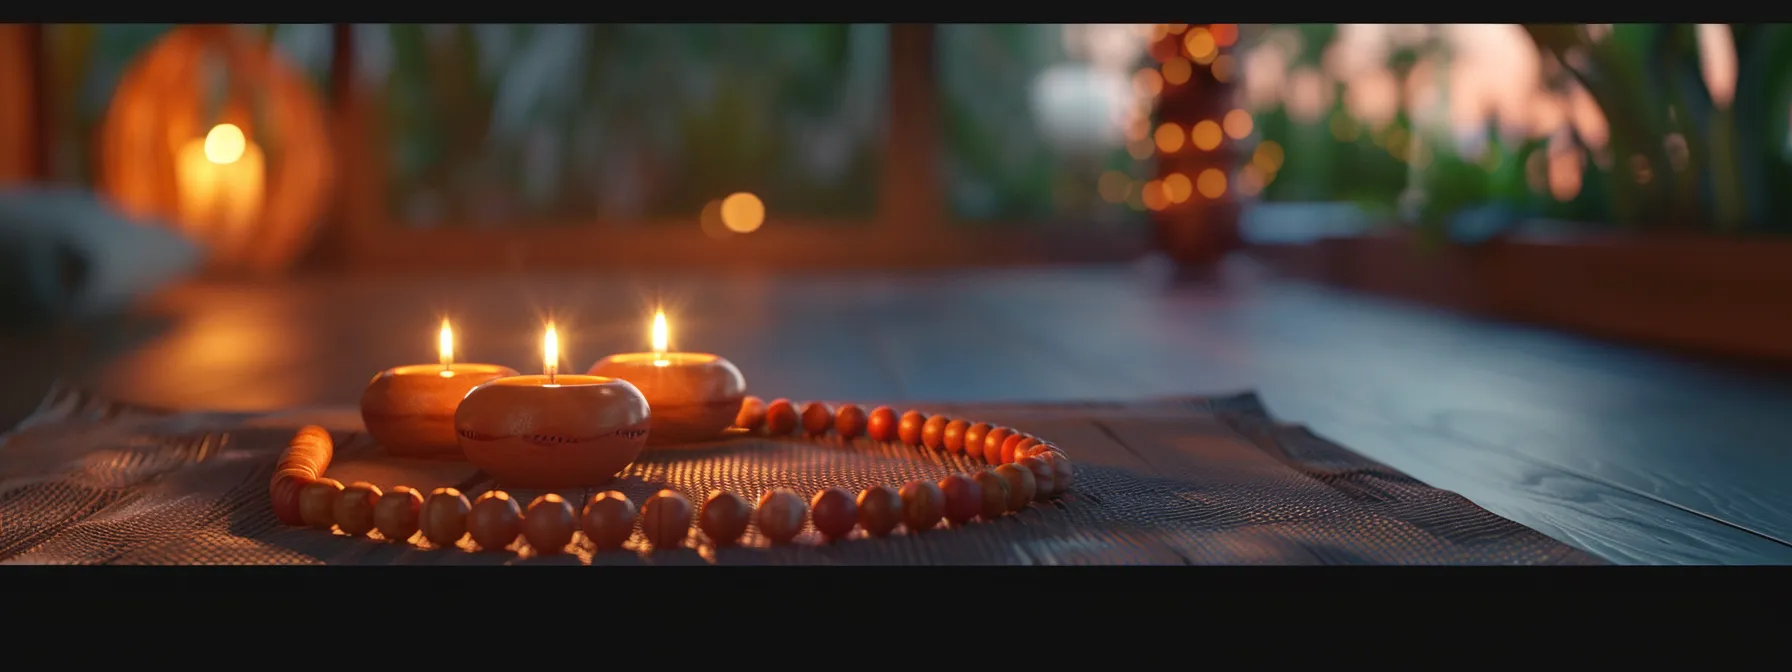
1634, 456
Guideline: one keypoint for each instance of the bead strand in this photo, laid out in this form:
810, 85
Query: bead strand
1026, 468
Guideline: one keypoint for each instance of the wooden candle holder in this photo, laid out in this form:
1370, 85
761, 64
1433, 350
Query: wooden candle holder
409, 410
694, 396
577, 432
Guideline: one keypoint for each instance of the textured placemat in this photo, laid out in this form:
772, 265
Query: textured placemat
1174, 481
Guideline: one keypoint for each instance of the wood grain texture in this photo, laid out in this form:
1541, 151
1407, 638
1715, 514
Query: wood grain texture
1634, 456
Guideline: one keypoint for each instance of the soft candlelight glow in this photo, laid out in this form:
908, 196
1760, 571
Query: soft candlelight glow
550, 354
221, 181
661, 338
445, 349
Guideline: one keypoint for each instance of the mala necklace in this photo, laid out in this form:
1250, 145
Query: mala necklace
1024, 468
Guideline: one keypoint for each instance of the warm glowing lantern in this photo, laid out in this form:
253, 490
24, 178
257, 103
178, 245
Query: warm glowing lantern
212, 130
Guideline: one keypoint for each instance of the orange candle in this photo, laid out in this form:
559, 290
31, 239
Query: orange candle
694, 395
409, 410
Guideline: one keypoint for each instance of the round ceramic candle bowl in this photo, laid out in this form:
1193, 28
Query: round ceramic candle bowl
578, 431
409, 410
694, 396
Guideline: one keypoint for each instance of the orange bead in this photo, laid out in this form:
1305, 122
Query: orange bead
752, 413
933, 432
398, 514
444, 520
549, 524
964, 498
1062, 473
849, 422
953, 436
353, 509
973, 439
882, 424
780, 418
1022, 485
995, 495
725, 517
1042, 476
1010, 453
923, 504
1034, 450
608, 520
284, 491
908, 427
817, 418
780, 515
880, 510
992, 445
495, 521
317, 503
666, 519
834, 512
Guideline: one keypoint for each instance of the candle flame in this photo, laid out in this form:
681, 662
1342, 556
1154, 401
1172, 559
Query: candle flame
660, 335
225, 144
550, 353
445, 348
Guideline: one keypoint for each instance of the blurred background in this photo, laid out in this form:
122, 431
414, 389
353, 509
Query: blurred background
1605, 178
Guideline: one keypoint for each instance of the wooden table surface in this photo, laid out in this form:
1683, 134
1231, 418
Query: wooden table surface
1634, 456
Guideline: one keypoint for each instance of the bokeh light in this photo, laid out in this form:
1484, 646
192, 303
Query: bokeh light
1169, 138
1178, 187
1206, 135
1211, 183
742, 212
1200, 45
1153, 196
1140, 149
1268, 157
225, 144
1177, 70
710, 220
1224, 34
1224, 68
1147, 82
1112, 186
1238, 124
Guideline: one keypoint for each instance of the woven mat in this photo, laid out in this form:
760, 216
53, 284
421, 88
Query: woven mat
1176, 481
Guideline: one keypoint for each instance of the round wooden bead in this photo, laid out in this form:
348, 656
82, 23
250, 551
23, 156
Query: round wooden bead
817, 418
908, 427
1009, 455
780, 418
444, 520
495, 521
399, 514
353, 509
284, 490
780, 515
725, 517
608, 520
953, 436
964, 498
992, 445
1036, 450
1042, 476
881, 426
317, 503
752, 413
994, 489
923, 504
834, 512
880, 510
666, 519
1022, 485
849, 422
973, 438
1005, 453
1062, 472
549, 524
933, 432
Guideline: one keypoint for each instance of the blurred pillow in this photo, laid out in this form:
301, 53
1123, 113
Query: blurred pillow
65, 254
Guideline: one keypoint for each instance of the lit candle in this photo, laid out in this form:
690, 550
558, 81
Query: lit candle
221, 182
695, 396
552, 431
410, 409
